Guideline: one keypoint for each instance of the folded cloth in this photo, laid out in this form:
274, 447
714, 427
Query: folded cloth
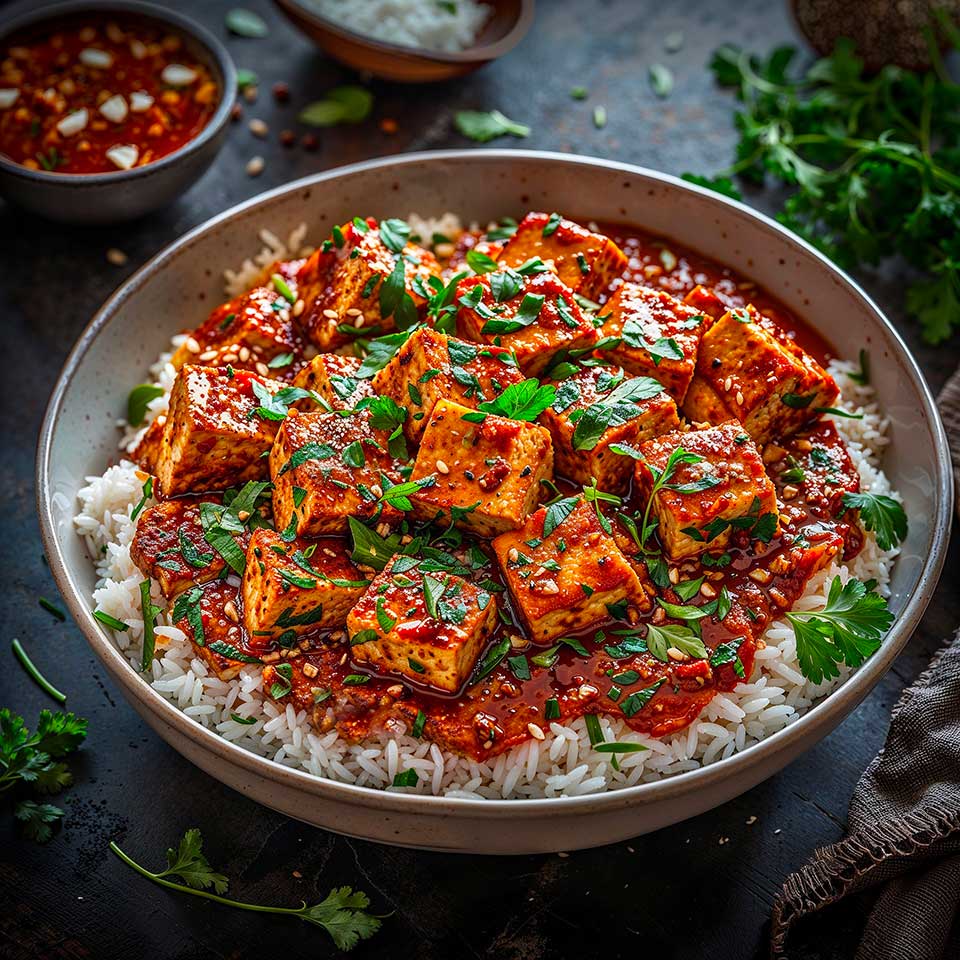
903, 839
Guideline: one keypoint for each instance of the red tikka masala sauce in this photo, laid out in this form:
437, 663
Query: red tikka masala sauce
100, 94
761, 580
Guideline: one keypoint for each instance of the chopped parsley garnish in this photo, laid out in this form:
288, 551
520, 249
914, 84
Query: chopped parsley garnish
619, 406
635, 702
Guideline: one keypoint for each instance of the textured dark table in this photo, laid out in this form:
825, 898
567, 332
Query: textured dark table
684, 885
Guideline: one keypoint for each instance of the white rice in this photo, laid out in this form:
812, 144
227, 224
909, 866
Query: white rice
428, 24
563, 764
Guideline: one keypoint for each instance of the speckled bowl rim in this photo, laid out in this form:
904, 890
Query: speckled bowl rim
30, 16
811, 723
486, 52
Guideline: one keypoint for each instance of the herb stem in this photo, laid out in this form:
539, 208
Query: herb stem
182, 888
38, 678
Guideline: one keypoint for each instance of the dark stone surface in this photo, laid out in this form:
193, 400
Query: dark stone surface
679, 892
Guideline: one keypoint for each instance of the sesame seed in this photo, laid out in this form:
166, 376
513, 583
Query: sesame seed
250, 93
360, 321
117, 257
331, 314
739, 398
208, 355
192, 345
255, 165
536, 732
229, 358
442, 467
354, 312
244, 354
728, 384
298, 308
258, 128
674, 654
263, 369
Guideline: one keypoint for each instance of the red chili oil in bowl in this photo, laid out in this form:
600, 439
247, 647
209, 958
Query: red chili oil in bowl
98, 93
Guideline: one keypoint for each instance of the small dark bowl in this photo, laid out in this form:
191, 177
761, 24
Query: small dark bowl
124, 194
509, 22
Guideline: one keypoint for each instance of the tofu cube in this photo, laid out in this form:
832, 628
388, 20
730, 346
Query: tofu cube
706, 303
585, 261
431, 366
750, 371
535, 324
297, 587
250, 331
326, 468
659, 335
429, 628
169, 545
340, 285
486, 476
575, 569
146, 454
334, 379
704, 502
213, 438
220, 641
599, 406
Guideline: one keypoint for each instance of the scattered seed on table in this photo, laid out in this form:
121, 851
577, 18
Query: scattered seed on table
288, 138
258, 127
389, 125
255, 166
281, 92
250, 94
236, 112
309, 141
117, 257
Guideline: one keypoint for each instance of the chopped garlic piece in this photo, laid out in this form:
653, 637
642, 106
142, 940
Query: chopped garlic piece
177, 75
140, 102
114, 109
92, 57
8, 97
73, 123
123, 156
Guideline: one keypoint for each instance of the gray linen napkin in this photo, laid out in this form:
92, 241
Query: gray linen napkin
903, 834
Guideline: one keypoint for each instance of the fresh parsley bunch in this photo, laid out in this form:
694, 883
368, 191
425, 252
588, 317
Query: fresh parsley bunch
875, 161
32, 761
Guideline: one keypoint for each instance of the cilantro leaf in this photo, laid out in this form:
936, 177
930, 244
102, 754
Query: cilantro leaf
881, 514
521, 401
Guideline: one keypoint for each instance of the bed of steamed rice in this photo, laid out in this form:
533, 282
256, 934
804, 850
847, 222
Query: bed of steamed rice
448, 28
563, 763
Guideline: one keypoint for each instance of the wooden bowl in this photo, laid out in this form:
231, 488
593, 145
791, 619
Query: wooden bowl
510, 21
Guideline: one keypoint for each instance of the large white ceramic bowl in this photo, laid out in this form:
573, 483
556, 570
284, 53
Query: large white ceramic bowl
180, 285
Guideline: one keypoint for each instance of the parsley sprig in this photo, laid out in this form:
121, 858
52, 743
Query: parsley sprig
343, 913
847, 630
32, 761
874, 161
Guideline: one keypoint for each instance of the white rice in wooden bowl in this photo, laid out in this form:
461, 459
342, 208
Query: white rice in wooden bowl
563, 764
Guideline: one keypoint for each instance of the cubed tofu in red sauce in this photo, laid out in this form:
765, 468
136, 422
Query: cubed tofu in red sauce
489, 597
